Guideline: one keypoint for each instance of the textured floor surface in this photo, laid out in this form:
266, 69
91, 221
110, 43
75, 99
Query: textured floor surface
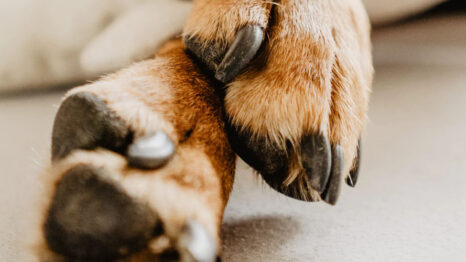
409, 205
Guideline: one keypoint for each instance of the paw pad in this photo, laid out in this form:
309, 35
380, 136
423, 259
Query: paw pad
92, 218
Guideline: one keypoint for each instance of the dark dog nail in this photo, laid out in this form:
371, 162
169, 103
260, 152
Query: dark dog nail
227, 64
241, 52
91, 218
84, 121
352, 179
209, 54
332, 192
316, 159
268, 159
151, 151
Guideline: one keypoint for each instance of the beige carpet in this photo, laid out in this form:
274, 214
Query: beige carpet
409, 205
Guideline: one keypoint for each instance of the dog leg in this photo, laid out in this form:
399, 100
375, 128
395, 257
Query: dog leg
141, 166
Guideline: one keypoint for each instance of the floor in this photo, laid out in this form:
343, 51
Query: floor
410, 202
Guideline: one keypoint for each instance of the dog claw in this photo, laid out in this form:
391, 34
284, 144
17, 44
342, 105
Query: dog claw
332, 192
91, 218
151, 151
316, 159
227, 64
352, 179
195, 244
268, 159
243, 49
208, 53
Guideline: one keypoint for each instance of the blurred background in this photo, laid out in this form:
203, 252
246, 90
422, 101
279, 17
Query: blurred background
410, 203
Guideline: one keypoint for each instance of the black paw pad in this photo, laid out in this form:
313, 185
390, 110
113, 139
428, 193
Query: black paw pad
84, 121
90, 218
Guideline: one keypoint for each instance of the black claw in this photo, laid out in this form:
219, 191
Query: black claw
209, 54
151, 151
332, 192
316, 159
352, 179
91, 218
241, 52
269, 160
227, 64
85, 122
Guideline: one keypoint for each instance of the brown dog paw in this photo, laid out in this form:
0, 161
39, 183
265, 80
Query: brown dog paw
91, 217
296, 110
141, 166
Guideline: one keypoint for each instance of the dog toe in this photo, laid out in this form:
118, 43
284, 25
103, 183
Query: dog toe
90, 217
84, 121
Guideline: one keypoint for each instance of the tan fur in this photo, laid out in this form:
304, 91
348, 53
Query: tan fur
314, 76
167, 93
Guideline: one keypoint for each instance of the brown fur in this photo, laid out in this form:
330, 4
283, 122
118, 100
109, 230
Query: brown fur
314, 75
167, 93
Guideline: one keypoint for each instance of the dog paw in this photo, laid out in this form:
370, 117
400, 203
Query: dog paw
92, 217
141, 167
101, 209
297, 110
226, 35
